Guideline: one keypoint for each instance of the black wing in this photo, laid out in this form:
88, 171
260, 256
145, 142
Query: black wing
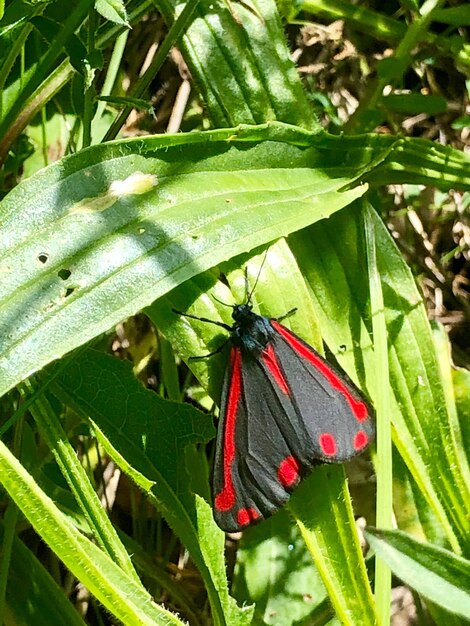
282, 412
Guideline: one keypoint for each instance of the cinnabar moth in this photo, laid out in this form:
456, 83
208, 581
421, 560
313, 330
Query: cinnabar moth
283, 409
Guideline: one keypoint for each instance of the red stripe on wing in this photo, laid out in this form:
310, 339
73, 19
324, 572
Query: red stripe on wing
271, 362
358, 407
225, 499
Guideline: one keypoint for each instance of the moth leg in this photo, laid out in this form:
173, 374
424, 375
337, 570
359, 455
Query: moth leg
206, 356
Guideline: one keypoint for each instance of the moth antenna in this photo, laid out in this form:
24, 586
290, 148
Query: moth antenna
250, 293
220, 302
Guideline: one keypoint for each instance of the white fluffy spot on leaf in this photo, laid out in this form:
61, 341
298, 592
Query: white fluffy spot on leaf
135, 184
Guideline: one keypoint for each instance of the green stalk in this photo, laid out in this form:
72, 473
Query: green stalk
111, 74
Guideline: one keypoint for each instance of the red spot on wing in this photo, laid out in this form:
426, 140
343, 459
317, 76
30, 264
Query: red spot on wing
271, 362
247, 516
225, 499
327, 444
358, 407
288, 471
360, 440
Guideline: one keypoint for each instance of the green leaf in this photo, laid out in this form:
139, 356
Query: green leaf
422, 428
456, 16
55, 437
148, 431
414, 103
275, 571
280, 287
108, 230
146, 436
391, 68
137, 103
127, 600
323, 511
113, 10
258, 85
461, 122
78, 55
434, 572
383, 456
410, 160
413, 513
461, 381
373, 23
47, 604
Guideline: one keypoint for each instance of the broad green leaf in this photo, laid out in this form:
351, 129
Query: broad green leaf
239, 89
424, 426
252, 87
120, 594
418, 161
442, 617
107, 231
412, 511
457, 16
456, 386
275, 572
434, 572
147, 436
150, 432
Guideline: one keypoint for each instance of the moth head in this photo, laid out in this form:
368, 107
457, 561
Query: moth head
240, 311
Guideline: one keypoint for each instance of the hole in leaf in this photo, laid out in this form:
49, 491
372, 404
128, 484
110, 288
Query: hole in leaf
64, 274
69, 291
43, 257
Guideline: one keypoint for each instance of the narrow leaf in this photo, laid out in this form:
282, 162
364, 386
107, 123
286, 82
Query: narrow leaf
119, 593
422, 428
434, 572
47, 603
